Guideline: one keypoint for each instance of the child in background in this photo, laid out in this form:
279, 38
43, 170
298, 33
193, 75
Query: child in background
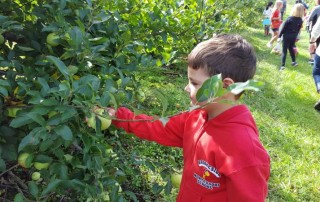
310, 22
266, 21
313, 48
284, 8
224, 159
290, 31
275, 22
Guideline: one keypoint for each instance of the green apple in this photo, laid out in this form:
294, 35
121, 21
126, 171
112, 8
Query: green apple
35, 176
140, 95
105, 122
40, 166
22, 159
91, 121
176, 180
105, 196
53, 39
1, 39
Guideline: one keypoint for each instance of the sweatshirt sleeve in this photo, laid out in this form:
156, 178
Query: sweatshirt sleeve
249, 184
316, 30
170, 134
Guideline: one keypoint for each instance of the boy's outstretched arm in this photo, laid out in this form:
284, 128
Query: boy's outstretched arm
146, 127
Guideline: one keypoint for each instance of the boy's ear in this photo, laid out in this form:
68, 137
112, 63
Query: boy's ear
227, 82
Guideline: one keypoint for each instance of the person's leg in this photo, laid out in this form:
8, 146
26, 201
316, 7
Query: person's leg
316, 77
265, 30
291, 45
316, 72
284, 51
274, 37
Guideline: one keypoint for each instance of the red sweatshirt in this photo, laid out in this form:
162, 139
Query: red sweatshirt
224, 159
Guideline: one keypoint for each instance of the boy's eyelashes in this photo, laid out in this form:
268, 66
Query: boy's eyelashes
193, 83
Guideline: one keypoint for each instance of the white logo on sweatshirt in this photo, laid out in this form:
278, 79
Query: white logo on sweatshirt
209, 168
201, 180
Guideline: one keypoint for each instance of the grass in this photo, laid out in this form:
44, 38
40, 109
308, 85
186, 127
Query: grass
283, 109
288, 124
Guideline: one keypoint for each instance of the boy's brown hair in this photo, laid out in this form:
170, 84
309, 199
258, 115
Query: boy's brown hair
227, 54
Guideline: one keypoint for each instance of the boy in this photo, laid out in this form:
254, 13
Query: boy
223, 157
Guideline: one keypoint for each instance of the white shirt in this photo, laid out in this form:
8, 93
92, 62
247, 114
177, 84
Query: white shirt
267, 13
316, 34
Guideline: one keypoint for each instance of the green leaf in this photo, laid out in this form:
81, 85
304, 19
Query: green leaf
33, 188
45, 87
60, 170
161, 97
43, 158
36, 99
4, 83
32, 138
168, 187
132, 196
60, 65
150, 165
50, 102
67, 114
18, 198
209, 88
102, 17
51, 186
23, 48
91, 80
2, 165
10, 153
77, 37
3, 91
64, 131
156, 188
36, 118
108, 98
20, 121
239, 87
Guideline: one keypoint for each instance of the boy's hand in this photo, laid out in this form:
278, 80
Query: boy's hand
111, 112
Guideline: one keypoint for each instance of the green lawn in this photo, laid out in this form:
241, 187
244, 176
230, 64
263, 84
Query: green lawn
288, 124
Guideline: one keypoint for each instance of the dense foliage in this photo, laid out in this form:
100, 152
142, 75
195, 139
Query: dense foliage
62, 61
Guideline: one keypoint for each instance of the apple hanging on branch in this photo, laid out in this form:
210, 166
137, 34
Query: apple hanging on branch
176, 180
35, 176
101, 114
53, 39
41, 166
25, 159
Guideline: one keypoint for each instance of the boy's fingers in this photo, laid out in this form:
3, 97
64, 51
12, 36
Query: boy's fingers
111, 112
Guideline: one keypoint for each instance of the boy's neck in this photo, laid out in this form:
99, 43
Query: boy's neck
221, 105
